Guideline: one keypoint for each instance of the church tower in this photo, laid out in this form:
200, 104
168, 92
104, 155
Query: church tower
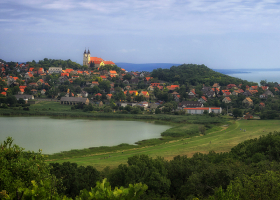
86, 57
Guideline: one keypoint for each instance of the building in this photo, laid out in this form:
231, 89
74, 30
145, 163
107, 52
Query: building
55, 70
199, 111
98, 62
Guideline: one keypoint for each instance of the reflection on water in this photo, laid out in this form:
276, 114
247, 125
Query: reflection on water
55, 135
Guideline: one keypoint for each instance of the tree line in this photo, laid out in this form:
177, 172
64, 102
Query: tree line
250, 169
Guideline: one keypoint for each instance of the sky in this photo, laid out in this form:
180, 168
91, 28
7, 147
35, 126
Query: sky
224, 34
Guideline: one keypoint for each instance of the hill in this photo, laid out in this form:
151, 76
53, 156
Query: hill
195, 74
145, 67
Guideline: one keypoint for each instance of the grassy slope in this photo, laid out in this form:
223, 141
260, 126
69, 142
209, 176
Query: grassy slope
221, 141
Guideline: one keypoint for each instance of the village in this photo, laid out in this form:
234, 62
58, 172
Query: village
101, 83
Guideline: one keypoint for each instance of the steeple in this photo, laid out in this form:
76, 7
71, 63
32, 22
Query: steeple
88, 51
85, 51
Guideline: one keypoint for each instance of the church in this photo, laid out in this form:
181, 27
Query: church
97, 62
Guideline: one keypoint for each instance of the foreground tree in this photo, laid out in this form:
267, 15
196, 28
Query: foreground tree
20, 170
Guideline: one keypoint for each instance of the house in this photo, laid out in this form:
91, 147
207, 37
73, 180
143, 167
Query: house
25, 97
268, 93
147, 79
248, 101
247, 93
177, 98
254, 87
204, 90
131, 92
200, 111
21, 91
216, 85
150, 88
192, 94
40, 82
264, 87
4, 93
84, 93
34, 91
226, 100
127, 87
190, 104
55, 70
43, 91
261, 105
172, 87
145, 94
155, 84
113, 72
236, 92
94, 83
203, 99
231, 86
109, 96
64, 74
109, 63
210, 94
74, 100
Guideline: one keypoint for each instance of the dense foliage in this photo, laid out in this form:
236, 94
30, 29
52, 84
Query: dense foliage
239, 174
192, 74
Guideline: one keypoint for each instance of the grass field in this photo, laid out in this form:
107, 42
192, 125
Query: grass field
222, 139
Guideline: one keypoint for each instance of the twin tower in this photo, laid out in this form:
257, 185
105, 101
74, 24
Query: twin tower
86, 58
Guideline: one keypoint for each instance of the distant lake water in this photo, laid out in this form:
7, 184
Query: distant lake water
258, 75
56, 135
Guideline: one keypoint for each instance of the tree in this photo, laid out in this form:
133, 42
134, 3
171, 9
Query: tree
237, 112
103, 191
263, 186
18, 169
144, 169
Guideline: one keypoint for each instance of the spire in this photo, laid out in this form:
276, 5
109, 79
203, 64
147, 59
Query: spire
85, 51
88, 51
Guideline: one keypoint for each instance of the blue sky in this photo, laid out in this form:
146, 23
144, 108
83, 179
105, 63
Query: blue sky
220, 34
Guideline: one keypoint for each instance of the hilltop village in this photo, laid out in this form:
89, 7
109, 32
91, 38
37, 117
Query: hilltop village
100, 85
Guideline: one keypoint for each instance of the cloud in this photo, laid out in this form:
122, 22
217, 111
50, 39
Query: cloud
144, 17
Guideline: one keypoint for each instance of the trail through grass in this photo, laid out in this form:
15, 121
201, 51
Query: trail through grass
221, 140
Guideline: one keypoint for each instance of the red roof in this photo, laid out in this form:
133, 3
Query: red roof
95, 59
155, 84
196, 108
98, 94
4, 93
104, 77
22, 87
5, 89
228, 98
204, 98
112, 72
108, 63
68, 70
64, 74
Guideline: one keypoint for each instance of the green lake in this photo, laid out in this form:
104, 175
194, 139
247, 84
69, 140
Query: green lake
56, 135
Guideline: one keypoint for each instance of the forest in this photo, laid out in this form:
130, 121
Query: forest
193, 74
249, 171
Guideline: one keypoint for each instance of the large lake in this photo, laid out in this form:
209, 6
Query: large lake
258, 75
55, 135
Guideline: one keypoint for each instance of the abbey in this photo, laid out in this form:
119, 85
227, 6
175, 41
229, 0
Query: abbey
94, 61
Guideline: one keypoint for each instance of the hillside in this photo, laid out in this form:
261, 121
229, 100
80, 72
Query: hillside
195, 74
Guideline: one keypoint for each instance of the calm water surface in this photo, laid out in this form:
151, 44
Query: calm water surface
257, 76
55, 135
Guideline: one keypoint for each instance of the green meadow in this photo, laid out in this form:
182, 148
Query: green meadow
218, 139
